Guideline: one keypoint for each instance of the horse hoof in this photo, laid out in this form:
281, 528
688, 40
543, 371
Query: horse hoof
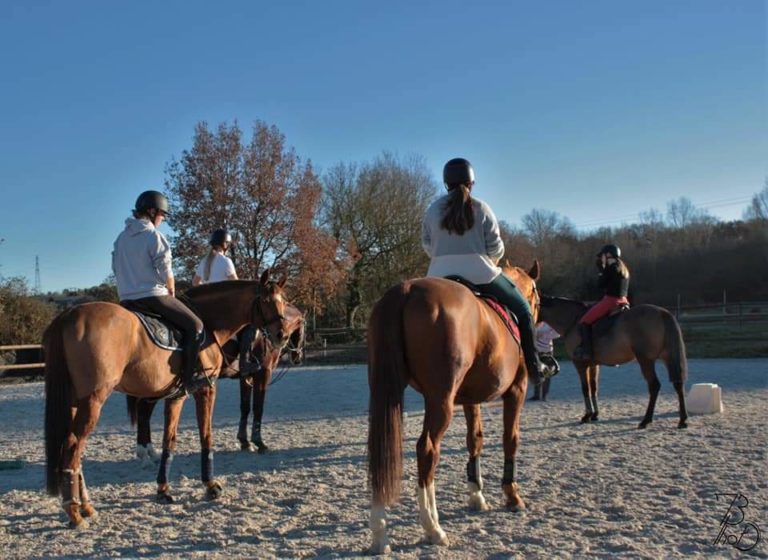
516, 504
682, 425
247, 446
214, 491
586, 419
262, 447
164, 498
379, 548
78, 524
594, 418
478, 503
642, 425
439, 538
87, 510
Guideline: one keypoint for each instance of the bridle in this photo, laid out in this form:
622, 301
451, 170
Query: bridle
264, 321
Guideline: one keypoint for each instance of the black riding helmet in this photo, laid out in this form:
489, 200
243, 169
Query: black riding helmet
152, 199
458, 171
612, 250
219, 237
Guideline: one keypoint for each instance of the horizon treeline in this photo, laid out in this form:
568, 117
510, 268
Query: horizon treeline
345, 236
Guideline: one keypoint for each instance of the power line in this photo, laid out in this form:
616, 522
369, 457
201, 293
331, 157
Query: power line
720, 203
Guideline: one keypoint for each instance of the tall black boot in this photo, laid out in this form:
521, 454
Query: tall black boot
193, 379
584, 350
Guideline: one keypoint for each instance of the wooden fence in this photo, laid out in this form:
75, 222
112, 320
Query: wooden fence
743, 320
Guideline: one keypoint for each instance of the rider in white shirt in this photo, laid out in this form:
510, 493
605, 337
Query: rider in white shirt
216, 266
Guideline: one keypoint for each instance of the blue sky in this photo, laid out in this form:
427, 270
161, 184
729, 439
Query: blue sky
597, 110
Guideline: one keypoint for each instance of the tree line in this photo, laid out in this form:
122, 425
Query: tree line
343, 236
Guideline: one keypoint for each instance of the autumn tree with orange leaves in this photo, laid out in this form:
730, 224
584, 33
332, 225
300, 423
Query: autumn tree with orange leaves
265, 195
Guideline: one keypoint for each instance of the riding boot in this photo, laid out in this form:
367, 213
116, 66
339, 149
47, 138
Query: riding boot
584, 350
535, 367
192, 377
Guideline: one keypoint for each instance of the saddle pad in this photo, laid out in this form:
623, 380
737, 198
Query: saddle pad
509, 318
163, 334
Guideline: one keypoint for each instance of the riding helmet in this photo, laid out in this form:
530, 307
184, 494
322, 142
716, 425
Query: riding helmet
151, 199
458, 171
612, 250
219, 237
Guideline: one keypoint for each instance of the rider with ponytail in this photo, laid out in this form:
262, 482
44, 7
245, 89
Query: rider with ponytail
613, 279
216, 266
461, 235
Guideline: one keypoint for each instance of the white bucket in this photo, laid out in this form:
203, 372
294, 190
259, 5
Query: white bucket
705, 398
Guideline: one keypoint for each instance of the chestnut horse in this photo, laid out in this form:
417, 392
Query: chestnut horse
438, 337
96, 348
268, 354
645, 333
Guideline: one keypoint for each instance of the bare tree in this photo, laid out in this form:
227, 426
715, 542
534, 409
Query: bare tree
374, 211
758, 207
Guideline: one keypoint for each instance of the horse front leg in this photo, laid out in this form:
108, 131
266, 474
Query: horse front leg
437, 418
648, 368
513, 406
583, 370
170, 429
204, 402
474, 446
144, 448
594, 383
245, 410
261, 382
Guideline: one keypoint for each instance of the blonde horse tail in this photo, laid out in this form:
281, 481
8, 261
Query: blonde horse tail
677, 363
58, 402
387, 379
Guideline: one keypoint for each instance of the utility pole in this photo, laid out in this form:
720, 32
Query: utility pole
37, 289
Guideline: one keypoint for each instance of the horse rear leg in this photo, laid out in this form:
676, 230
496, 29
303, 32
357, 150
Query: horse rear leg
594, 383
474, 446
144, 448
74, 494
513, 406
205, 399
679, 389
647, 366
437, 418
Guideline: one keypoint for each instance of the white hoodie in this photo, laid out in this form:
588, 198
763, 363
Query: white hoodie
141, 261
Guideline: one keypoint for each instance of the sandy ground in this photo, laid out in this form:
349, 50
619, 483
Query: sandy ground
593, 491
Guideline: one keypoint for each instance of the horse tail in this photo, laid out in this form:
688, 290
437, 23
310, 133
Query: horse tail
133, 405
677, 363
58, 402
387, 379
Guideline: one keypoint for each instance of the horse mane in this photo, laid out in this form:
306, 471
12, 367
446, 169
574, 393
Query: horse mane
218, 287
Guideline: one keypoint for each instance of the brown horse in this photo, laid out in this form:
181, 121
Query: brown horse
268, 354
438, 337
645, 332
96, 348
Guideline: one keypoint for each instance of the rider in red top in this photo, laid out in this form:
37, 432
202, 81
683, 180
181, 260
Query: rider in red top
614, 280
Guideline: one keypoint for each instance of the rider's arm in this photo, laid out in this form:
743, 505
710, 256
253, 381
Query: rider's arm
494, 246
196, 280
231, 273
170, 283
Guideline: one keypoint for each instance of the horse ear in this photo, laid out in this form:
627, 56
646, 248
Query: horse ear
282, 281
264, 278
535, 271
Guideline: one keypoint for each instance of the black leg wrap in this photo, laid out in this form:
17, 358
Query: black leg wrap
509, 471
473, 472
206, 464
165, 466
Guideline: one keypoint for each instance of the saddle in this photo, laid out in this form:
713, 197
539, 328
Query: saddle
165, 335
507, 317
605, 324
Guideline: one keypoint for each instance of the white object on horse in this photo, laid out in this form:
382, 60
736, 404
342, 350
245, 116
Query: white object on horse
705, 398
